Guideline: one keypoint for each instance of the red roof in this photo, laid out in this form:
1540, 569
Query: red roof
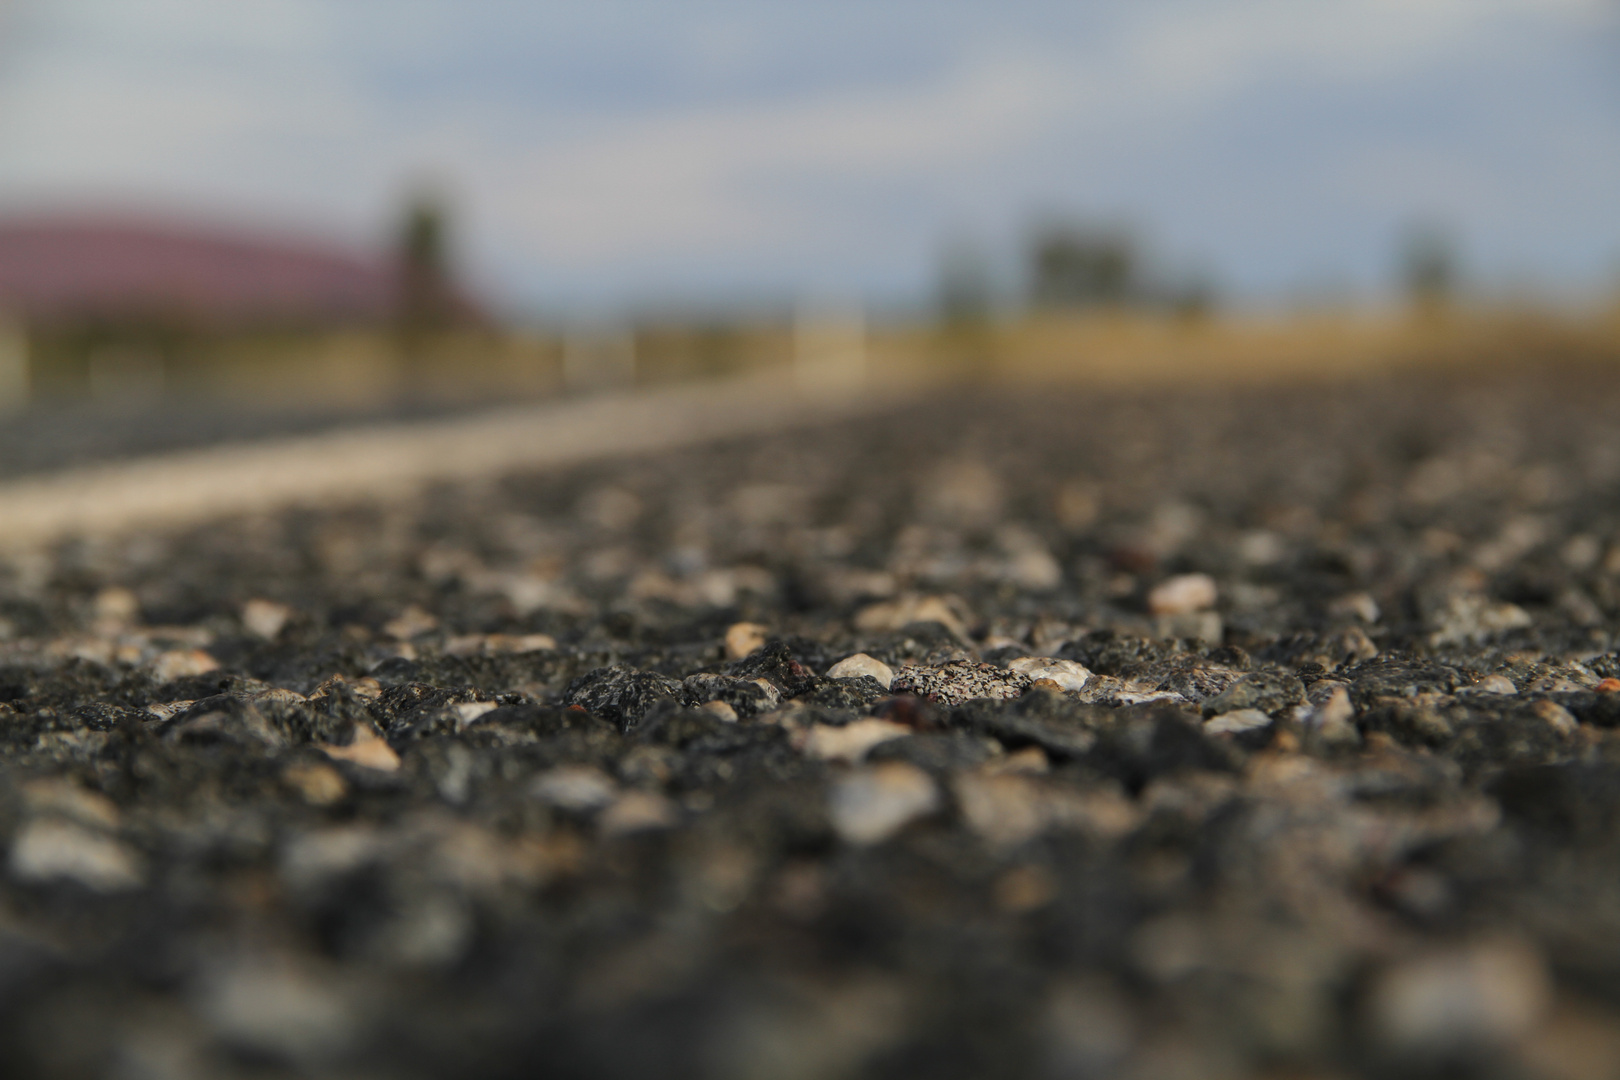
72, 268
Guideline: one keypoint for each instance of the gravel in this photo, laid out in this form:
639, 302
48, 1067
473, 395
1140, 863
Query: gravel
1216, 733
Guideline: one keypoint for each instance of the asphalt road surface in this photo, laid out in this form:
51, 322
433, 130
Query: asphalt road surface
1241, 732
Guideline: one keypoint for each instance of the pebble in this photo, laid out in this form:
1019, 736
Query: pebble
1024, 888
411, 622
179, 663
468, 711
1236, 722
116, 606
895, 615
872, 804
719, 710
1068, 674
959, 681
1360, 605
1183, 594
265, 618
50, 849
850, 742
579, 788
368, 750
1489, 993
1557, 717
1007, 809
1030, 761
318, 785
1472, 619
1334, 719
499, 644
638, 811
853, 667
1496, 684
744, 639
272, 1009
63, 798
1608, 686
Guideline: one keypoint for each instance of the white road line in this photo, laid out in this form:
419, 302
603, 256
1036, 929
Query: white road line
381, 461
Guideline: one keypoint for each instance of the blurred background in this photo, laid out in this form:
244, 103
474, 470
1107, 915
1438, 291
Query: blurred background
348, 203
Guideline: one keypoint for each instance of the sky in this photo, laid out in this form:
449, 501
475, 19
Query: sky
600, 156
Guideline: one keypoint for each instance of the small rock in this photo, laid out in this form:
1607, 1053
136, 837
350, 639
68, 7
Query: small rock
63, 798
1334, 719
318, 785
368, 750
871, 805
719, 709
1066, 673
898, 614
499, 644
1359, 605
273, 1009
265, 618
1488, 993
622, 695
179, 663
850, 742
51, 849
165, 710
745, 696
744, 639
853, 667
1030, 761
1608, 686
278, 696
1472, 619
1263, 690
638, 811
1557, 717
579, 788
1024, 888
1236, 722
959, 681
409, 623
468, 711
1183, 594
1496, 684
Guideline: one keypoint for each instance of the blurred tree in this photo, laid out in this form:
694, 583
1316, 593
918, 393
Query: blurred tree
1075, 267
427, 294
1428, 267
966, 293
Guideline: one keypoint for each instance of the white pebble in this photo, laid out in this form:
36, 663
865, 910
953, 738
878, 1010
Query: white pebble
851, 742
1496, 684
719, 710
1236, 721
182, 662
468, 711
265, 618
1490, 993
873, 804
637, 811
574, 787
1183, 595
1557, 717
49, 850
853, 667
744, 639
1066, 673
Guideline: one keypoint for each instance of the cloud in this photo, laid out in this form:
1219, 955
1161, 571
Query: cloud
607, 139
